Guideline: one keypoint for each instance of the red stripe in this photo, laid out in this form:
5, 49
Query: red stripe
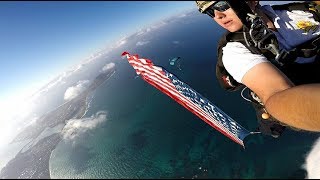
197, 111
194, 109
156, 77
148, 68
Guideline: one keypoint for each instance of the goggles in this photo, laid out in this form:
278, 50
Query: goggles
220, 6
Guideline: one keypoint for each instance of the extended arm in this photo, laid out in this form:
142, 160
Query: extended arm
297, 106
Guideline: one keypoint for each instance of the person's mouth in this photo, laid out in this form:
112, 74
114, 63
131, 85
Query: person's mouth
227, 23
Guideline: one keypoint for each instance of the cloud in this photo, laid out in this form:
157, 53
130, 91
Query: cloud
76, 128
108, 66
175, 42
312, 162
182, 15
56, 81
140, 32
78, 67
121, 42
74, 91
140, 43
158, 25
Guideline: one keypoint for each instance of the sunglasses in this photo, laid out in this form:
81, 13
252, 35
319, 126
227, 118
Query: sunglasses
220, 6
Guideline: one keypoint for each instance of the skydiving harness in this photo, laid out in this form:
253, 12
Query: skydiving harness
260, 40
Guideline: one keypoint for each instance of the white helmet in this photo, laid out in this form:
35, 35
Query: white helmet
203, 5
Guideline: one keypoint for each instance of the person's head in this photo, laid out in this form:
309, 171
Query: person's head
223, 14
317, 2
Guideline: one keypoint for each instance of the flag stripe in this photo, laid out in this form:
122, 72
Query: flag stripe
195, 109
201, 114
187, 97
176, 94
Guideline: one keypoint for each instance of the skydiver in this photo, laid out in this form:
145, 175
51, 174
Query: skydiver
289, 94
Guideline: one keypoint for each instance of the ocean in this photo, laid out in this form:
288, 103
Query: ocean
148, 135
133, 130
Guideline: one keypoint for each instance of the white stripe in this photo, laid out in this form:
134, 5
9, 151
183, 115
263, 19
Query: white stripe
189, 102
198, 109
171, 89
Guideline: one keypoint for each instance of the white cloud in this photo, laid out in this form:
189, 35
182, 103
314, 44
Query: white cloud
175, 42
141, 43
78, 67
75, 128
158, 25
312, 162
140, 32
108, 66
15, 114
74, 91
121, 42
59, 80
182, 15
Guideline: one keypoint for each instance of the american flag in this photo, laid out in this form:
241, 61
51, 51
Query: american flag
186, 96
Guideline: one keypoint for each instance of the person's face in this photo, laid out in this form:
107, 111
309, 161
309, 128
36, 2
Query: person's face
222, 13
317, 2
228, 19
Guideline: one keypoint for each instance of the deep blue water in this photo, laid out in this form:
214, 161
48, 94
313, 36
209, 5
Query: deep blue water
148, 135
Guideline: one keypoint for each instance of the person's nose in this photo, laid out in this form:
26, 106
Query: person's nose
218, 14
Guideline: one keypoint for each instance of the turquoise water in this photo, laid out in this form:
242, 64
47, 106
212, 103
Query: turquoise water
148, 135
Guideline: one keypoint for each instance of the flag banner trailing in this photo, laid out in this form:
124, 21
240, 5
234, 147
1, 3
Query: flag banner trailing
186, 96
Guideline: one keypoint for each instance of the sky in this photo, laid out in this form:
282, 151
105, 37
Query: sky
41, 39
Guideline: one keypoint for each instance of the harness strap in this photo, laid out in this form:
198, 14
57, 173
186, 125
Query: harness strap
306, 50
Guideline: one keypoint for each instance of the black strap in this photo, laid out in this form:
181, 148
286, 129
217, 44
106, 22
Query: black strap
307, 50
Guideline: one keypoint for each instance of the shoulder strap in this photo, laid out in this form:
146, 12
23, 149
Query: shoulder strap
225, 80
239, 37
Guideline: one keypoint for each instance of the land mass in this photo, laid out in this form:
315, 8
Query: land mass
34, 162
